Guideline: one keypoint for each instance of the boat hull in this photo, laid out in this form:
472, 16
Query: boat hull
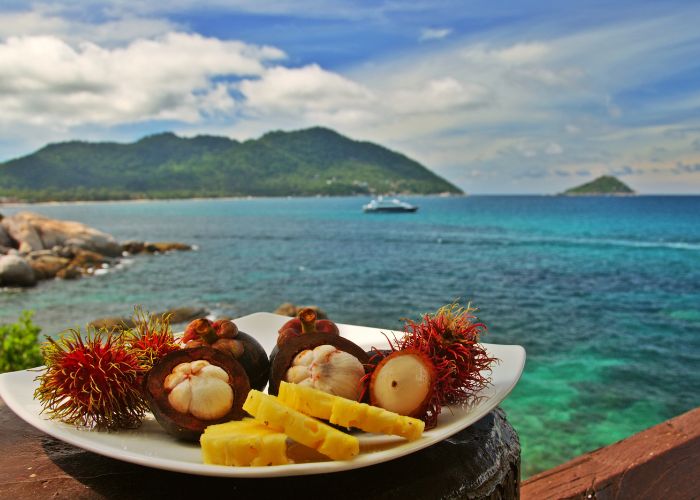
390, 210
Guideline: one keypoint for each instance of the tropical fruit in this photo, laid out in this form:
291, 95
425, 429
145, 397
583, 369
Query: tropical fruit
243, 443
301, 428
348, 413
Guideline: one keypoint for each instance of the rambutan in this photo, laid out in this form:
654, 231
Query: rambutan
449, 339
150, 338
91, 380
404, 382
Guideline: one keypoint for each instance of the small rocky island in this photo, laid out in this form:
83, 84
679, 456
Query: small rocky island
34, 247
605, 185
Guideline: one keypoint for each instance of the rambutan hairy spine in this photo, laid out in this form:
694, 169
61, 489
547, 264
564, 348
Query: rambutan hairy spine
91, 380
150, 338
450, 339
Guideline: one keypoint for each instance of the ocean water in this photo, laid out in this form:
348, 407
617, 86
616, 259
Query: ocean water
604, 293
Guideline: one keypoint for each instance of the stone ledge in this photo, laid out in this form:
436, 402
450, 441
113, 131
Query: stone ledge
480, 462
660, 462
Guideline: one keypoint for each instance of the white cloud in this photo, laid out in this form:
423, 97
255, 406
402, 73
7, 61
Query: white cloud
43, 21
527, 151
438, 95
522, 53
47, 82
553, 149
434, 34
307, 93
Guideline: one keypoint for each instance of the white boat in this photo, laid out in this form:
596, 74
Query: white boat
392, 205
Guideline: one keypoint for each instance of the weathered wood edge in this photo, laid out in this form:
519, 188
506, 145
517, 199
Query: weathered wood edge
660, 462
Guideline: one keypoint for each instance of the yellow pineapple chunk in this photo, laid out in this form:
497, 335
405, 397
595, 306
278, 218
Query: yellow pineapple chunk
243, 443
301, 428
348, 413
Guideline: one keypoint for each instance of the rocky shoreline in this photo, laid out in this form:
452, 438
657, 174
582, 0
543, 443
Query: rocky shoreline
34, 248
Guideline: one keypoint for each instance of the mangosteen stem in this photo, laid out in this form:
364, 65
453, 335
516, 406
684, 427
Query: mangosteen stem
308, 320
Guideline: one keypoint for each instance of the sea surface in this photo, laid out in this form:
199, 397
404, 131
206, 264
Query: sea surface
603, 292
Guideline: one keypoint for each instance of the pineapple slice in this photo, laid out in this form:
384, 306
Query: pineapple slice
348, 413
305, 430
243, 443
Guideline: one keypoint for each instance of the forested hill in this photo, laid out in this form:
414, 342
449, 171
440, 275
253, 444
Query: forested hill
315, 161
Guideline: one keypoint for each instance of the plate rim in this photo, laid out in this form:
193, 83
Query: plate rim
55, 430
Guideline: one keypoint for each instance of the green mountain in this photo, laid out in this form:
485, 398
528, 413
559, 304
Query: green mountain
604, 185
315, 161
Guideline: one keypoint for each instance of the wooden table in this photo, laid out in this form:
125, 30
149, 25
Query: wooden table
483, 461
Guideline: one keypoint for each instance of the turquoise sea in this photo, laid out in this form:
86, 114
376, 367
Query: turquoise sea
604, 293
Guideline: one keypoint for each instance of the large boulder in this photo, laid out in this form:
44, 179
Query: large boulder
46, 265
37, 232
135, 247
69, 273
87, 261
15, 271
165, 246
5, 240
23, 232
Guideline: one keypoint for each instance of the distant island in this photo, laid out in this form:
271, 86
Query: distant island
314, 161
604, 185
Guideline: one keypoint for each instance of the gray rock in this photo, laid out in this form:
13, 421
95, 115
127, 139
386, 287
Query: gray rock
15, 271
46, 265
69, 273
185, 314
133, 246
36, 232
23, 233
5, 240
289, 309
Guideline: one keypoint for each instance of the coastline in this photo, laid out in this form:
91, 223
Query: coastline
228, 198
15, 204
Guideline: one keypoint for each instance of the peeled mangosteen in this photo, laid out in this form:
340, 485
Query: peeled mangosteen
190, 389
224, 336
330, 363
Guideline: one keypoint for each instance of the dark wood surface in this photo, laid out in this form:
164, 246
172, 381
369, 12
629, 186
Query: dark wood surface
482, 461
662, 462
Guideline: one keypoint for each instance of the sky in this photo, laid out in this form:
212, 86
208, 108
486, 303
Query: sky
497, 97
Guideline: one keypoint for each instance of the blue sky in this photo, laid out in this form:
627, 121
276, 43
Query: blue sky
498, 97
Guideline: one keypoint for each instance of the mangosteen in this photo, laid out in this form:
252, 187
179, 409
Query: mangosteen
306, 322
190, 389
254, 360
224, 336
330, 363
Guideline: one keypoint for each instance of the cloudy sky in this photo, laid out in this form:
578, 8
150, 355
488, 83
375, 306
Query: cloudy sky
526, 97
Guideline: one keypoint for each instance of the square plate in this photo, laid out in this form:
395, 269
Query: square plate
151, 446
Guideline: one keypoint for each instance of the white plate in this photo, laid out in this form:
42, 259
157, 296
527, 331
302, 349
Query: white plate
153, 447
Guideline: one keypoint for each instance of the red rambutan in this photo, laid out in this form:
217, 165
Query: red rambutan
449, 338
150, 338
91, 380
